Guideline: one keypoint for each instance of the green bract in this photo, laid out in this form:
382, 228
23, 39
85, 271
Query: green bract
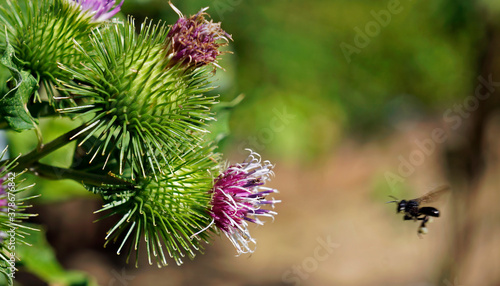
43, 34
139, 104
167, 212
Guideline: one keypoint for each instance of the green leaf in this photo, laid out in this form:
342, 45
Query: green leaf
39, 259
13, 105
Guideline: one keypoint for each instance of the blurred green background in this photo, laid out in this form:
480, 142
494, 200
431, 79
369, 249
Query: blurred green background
335, 93
288, 56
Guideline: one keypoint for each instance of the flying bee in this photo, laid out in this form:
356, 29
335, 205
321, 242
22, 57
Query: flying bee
413, 211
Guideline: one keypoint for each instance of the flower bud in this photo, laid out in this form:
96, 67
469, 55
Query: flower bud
194, 41
141, 107
165, 212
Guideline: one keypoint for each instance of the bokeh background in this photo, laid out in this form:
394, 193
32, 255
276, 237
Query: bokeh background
354, 101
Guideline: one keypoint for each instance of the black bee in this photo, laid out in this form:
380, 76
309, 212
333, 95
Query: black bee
413, 211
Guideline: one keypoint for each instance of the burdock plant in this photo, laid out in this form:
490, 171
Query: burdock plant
140, 93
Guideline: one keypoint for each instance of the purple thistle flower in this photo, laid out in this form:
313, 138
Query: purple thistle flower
195, 41
237, 197
101, 10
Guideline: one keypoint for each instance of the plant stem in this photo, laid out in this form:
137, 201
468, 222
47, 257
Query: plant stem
30, 162
56, 173
26, 161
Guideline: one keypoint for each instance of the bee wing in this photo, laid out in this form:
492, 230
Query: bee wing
433, 195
